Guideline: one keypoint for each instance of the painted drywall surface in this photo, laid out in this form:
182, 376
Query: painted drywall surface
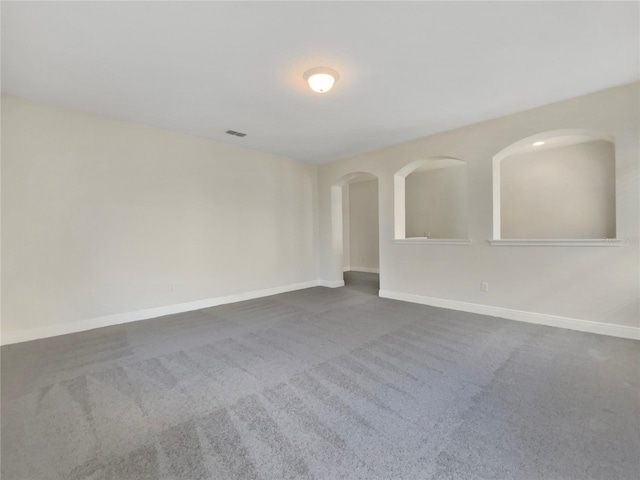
103, 217
566, 192
346, 238
363, 225
590, 283
436, 203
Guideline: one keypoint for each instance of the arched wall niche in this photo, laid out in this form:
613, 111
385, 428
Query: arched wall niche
337, 221
431, 201
555, 186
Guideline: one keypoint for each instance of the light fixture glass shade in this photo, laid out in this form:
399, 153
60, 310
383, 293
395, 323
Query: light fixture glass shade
321, 79
321, 82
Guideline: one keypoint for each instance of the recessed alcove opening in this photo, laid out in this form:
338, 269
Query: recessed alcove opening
556, 186
431, 201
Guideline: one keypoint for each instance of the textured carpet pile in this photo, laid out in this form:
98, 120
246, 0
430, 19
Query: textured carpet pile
322, 384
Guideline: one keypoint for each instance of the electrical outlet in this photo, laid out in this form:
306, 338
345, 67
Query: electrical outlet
484, 286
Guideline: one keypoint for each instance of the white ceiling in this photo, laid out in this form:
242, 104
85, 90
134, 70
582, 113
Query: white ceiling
407, 69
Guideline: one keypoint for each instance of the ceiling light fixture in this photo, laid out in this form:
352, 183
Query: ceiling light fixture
321, 79
537, 144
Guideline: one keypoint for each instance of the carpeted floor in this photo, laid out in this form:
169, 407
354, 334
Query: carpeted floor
322, 384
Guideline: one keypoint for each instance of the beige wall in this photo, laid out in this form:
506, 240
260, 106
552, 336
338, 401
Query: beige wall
566, 192
346, 239
600, 284
363, 225
102, 217
436, 203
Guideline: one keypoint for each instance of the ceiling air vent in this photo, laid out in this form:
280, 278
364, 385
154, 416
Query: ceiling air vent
237, 134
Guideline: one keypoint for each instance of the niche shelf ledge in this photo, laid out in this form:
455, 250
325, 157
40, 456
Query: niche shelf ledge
557, 242
433, 241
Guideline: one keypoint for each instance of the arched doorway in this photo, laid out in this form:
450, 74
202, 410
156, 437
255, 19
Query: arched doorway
355, 230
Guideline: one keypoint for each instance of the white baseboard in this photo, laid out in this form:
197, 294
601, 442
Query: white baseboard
520, 315
106, 321
331, 283
364, 269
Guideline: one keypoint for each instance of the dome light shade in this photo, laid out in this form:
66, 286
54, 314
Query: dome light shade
321, 79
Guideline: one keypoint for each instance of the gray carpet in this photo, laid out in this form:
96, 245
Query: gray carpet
322, 384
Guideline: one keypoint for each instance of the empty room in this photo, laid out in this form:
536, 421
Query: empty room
320, 240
